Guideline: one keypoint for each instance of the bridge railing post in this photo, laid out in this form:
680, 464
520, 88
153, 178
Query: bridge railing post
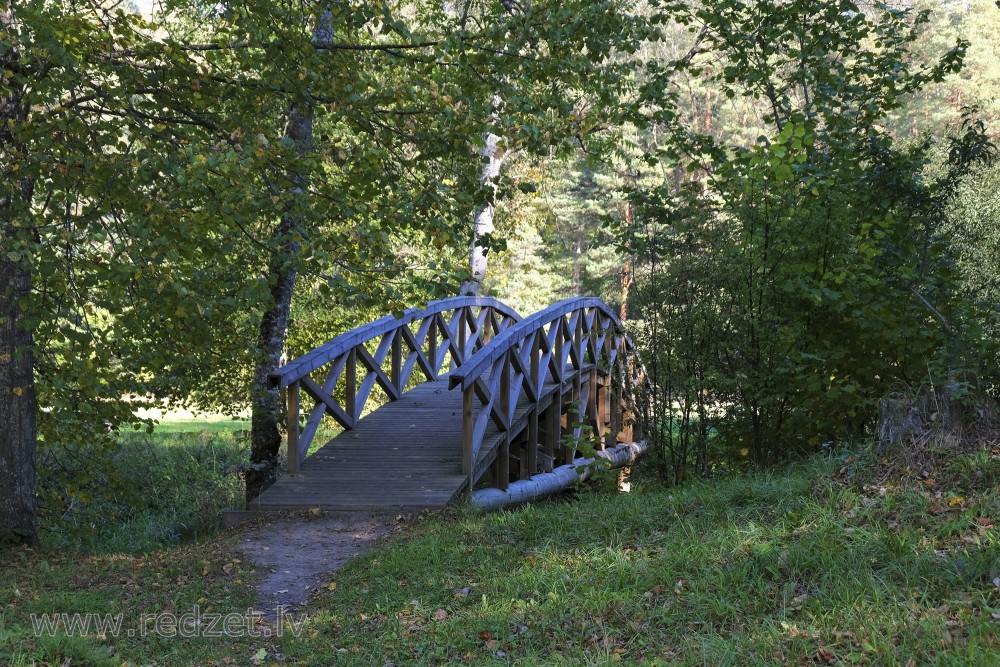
432, 347
463, 334
503, 467
556, 418
351, 386
397, 360
531, 453
468, 427
292, 399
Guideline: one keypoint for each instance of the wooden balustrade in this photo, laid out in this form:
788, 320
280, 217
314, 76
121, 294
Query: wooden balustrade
384, 355
516, 390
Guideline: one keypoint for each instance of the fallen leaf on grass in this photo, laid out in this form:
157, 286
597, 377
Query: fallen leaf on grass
825, 657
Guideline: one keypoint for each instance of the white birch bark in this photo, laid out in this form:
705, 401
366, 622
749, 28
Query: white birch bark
482, 224
549, 483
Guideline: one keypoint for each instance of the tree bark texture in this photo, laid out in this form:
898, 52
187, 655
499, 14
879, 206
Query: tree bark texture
18, 401
546, 484
18, 408
265, 436
482, 224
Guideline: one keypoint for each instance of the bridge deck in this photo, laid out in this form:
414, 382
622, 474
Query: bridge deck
406, 455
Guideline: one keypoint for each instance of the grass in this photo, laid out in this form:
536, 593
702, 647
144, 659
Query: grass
185, 421
793, 568
790, 568
149, 490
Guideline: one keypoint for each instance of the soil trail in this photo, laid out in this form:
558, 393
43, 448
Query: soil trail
298, 552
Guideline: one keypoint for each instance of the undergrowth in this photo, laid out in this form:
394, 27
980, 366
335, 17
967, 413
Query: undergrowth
148, 491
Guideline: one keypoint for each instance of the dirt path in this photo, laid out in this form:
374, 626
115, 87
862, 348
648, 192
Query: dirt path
299, 551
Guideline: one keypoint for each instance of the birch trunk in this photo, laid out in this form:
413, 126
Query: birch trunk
265, 437
482, 224
546, 484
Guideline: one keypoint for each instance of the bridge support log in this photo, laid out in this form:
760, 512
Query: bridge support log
547, 484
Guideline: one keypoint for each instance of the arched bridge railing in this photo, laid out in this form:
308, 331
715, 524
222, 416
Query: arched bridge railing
519, 389
340, 375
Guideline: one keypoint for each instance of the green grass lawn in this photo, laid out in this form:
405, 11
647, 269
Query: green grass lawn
781, 568
185, 421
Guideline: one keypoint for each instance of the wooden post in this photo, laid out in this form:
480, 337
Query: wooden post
503, 461
570, 453
558, 353
505, 386
593, 404
577, 384
397, 359
293, 428
531, 445
554, 446
462, 335
617, 420
432, 346
468, 425
535, 361
633, 432
351, 388
578, 338
503, 458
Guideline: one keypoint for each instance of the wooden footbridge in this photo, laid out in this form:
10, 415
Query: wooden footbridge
463, 396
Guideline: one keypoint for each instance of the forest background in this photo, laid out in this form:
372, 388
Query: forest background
793, 205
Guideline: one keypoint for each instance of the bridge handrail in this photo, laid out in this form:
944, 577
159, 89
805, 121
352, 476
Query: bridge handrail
335, 347
481, 361
426, 351
529, 359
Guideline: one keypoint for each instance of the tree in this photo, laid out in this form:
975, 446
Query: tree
147, 167
17, 386
791, 281
97, 112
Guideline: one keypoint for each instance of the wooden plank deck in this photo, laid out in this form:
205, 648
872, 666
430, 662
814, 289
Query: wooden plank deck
404, 456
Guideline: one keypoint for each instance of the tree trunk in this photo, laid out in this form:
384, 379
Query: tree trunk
18, 409
627, 278
18, 401
482, 224
265, 437
578, 262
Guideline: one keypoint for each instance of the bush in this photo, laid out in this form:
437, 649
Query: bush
790, 283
